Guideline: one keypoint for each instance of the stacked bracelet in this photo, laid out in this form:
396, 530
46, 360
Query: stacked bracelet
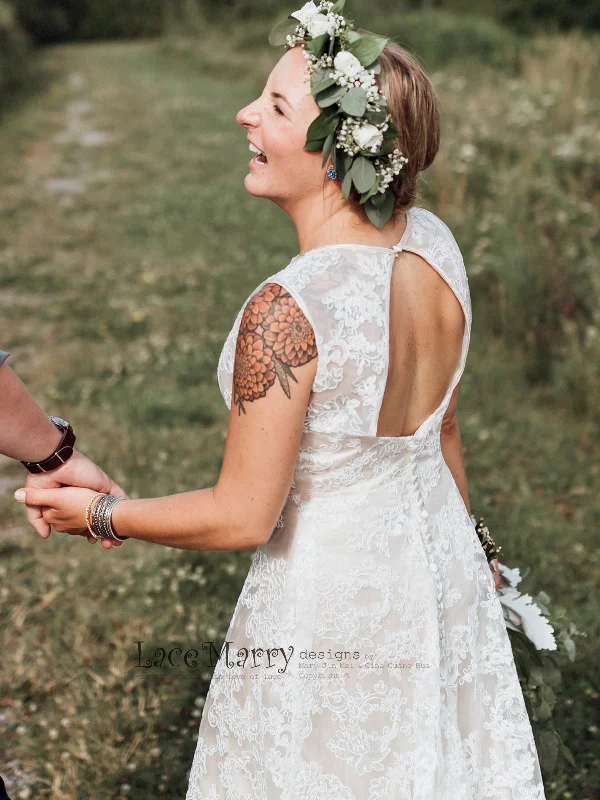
100, 517
87, 516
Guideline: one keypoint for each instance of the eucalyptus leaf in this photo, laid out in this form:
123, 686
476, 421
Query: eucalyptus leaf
386, 148
325, 83
379, 199
553, 677
371, 191
331, 45
363, 174
338, 160
367, 49
549, 696
347, 184
569, 647
335, 160
283, 29
548, 746
353, 36
327, 147
332, 95
391, 131
337, 7
318, 76
317, 45
543, 711
379, 215
314, 145
567, 754
354, 102
376, 117
321, 126
536, 677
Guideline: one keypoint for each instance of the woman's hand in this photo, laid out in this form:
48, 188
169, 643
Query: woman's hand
64, 509
79, 470
495, 567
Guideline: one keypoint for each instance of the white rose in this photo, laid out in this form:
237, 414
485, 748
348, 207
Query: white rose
347, 64
320, 24
368, 136
306, 13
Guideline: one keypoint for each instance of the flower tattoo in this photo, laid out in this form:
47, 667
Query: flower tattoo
274, 336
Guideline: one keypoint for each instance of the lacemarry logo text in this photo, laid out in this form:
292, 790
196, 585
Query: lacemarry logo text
268, 658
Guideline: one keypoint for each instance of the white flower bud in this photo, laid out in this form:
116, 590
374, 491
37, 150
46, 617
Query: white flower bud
320, 24
368, 137
347, 64
306, 13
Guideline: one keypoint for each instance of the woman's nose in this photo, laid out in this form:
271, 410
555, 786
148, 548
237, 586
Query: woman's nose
248, 116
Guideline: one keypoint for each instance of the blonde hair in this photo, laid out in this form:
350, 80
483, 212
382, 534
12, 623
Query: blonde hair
414, 108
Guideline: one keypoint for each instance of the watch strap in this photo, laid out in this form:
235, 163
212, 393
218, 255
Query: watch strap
62, 453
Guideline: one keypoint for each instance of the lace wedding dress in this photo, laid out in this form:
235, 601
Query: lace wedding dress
379, 664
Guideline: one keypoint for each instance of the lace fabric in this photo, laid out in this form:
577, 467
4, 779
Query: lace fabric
379, 662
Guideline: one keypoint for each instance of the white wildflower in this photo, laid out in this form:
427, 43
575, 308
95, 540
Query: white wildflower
320, 24
368, 137
306, 13
347, 63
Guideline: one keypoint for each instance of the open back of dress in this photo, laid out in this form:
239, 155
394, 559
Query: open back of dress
367, 656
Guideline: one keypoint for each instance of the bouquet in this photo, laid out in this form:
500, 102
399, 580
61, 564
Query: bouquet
541, 637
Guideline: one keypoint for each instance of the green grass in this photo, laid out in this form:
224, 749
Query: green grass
115, 304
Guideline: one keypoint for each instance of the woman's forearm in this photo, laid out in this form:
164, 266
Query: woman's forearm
189, 521
453, 456
26, 433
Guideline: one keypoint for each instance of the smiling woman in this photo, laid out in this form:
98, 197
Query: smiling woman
342, 466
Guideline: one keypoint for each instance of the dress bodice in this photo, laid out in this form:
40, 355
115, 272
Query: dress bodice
344, 291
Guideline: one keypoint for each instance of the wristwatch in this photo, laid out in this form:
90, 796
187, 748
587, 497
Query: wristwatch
63, 452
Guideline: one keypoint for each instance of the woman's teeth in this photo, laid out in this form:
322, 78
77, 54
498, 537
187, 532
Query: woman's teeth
260, 157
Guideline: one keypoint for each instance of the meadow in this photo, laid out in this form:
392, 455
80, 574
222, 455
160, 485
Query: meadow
127, 245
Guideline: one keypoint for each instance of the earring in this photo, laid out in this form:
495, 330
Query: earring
331, 173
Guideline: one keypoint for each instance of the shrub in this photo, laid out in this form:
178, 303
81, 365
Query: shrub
14, 51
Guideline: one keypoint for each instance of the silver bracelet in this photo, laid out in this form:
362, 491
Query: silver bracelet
101, 517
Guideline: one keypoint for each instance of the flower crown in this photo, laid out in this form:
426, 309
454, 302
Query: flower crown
342, 65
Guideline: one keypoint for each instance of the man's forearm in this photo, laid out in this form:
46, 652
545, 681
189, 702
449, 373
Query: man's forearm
453, 456
26, 433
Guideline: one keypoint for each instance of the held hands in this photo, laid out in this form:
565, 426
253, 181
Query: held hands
49, 504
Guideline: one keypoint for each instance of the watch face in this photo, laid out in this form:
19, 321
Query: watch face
60, 422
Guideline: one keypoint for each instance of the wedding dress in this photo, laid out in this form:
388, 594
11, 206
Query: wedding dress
374, 568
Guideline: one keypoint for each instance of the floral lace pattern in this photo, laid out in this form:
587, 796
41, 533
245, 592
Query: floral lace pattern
370, 656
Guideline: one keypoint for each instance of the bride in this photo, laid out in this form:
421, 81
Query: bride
367, 655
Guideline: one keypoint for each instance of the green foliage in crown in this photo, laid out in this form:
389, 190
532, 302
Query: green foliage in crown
354, 126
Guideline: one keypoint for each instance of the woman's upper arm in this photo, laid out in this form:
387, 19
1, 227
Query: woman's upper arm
274, 369
450, 419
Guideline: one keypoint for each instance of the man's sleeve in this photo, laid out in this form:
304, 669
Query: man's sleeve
3, 356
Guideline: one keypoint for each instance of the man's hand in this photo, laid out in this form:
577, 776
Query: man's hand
77, 471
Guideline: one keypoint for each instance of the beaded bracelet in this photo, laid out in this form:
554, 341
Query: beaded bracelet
100, 521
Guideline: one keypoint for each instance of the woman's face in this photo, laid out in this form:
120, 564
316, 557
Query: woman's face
278, 127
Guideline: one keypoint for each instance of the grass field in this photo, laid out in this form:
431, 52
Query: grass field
127, 245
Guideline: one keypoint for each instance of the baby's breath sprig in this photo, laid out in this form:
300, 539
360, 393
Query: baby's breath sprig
354, 126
